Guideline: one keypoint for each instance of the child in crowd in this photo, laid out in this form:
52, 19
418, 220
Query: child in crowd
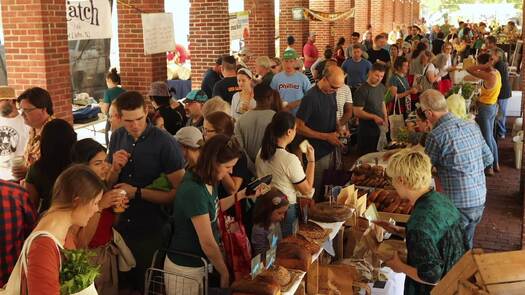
269, 211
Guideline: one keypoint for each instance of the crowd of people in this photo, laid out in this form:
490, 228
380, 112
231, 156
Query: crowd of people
173, 169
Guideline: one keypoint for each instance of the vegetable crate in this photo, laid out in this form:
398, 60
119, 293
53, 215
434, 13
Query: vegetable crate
485, 273
163, 282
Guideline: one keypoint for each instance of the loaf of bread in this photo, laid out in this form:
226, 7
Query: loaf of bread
301, 241
258, 286
312, 231
326, 212
278, 274
293, 256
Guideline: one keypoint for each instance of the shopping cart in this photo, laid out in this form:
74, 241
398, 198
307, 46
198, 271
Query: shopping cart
162, 282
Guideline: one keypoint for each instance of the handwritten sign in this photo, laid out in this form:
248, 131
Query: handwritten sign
158, 32
270, 257
256, 266
88, 19
239, 23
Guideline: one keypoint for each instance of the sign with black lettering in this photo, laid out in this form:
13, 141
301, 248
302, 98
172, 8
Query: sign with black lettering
158, 32
88, 19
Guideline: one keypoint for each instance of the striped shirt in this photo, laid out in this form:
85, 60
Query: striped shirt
459, 153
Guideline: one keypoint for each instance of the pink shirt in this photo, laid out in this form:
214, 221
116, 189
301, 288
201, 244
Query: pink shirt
310, 50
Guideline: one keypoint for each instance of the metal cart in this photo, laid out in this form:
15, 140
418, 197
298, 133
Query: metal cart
162, 282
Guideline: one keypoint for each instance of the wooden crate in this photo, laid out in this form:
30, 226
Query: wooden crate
485, 273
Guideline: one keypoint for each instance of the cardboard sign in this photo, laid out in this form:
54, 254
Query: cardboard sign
88, 19
257, 266
270, 256
158, 32
239, 23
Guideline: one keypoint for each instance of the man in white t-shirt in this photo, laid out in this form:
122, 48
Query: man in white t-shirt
13, 132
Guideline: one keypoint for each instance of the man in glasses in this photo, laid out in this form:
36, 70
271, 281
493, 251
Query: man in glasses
263, 68
317, 121
36, 108
193, 106
13, 132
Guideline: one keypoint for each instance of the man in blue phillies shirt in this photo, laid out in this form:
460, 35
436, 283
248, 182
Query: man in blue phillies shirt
356, 68
291, 84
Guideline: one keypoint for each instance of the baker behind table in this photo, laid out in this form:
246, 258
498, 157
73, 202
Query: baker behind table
139, 153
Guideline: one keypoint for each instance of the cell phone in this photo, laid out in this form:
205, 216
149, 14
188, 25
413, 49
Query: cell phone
252, 186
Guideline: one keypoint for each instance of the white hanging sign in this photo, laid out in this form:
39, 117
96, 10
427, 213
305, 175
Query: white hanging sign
88, 19
158, 32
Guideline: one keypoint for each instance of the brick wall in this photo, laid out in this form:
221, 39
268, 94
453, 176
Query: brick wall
522, 178
137, 70
209, 35
288, 26
376, 16
415, 9
388, 15
343, 28
324, 30
37, 49
406, 13
362, 12
398, 12
262, 28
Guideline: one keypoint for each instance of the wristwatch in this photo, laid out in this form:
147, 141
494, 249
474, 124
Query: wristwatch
138, 194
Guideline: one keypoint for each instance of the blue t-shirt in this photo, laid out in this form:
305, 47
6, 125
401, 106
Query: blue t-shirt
291, 87
357, 71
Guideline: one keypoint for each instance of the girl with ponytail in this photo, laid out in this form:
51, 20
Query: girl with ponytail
288, 174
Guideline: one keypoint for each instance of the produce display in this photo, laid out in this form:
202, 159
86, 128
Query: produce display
370, 176
389, 201
329, 212
293, 256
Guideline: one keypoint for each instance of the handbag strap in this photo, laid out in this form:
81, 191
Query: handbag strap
27, 246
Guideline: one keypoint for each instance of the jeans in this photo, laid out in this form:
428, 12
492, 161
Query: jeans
501, 117
486, 118
291, 215
470, 217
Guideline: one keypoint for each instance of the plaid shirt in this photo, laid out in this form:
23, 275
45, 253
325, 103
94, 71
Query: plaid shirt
17, 219
459, 153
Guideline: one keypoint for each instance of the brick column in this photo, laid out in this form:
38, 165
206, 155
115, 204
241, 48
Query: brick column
343, 28
137, 70
415, 9
522, 178
361, 19
37, 50
398, 12
406, 13
325, 34
262, 28
376, 16
388, 15
288, 26
209, 35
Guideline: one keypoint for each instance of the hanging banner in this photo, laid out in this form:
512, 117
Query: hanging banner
88, 19
239, 25
158, 32
328, 17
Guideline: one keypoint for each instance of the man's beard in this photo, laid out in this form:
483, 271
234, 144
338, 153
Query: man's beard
6, 109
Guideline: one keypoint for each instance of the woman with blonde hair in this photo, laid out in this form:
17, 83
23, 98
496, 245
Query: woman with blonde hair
433, 233
215, 104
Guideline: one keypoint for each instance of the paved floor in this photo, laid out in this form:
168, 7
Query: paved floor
501, 226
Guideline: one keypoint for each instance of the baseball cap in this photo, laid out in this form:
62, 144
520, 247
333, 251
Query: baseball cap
7, 92
196, 95
159, 88
290, 54
189, 136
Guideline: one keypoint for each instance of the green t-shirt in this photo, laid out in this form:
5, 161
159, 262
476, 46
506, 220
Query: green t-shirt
192, 199
112, 93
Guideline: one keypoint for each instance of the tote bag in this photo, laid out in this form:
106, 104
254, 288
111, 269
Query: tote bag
236, 242
396, 121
